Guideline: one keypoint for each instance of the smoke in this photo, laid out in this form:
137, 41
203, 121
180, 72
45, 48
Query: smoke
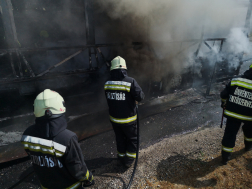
238, 42
172, 31
237, 47
41, 23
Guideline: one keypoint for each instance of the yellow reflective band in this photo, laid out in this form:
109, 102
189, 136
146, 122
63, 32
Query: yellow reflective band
42, 149
238, 116
86, 177
36, 140
247, 139
38, 148
43, 187
227, 149
122, 121
242, 82
132, 155
74, 186
120, 154
92, 179
58, 153
223, 100
118, 83
42, 145
117, 87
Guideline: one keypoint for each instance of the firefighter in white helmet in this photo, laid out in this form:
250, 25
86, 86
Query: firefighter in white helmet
122, 92
54, 151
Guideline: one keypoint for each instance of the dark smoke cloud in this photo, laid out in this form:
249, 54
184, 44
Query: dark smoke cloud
157, 23
163, 21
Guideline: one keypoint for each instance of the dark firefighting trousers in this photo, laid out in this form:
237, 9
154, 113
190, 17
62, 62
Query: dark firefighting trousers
232, 128
126, 141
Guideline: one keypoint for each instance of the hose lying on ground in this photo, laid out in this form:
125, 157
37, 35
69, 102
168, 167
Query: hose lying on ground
135, 166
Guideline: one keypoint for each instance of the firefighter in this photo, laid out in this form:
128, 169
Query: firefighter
54, 151
122, 92
237, 102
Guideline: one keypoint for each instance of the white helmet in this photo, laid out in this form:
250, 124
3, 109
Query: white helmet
118, 63
49, 103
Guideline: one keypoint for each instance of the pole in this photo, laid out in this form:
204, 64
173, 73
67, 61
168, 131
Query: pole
63, 61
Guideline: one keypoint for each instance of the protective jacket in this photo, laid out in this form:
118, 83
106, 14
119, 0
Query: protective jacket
55, 154
121, 92
238, 98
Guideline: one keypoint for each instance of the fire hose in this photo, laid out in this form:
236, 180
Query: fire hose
135, 166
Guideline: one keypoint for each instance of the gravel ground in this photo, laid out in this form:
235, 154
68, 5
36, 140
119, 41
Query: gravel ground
182, 161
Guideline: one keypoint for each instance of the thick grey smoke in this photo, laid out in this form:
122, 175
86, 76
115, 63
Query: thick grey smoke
173, 29
238, 47
238, 42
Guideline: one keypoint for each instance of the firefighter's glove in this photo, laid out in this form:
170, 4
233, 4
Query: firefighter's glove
88, 183
223, 105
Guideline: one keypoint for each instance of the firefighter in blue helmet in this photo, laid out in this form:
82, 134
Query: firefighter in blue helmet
121, 93
237, 101
54, 151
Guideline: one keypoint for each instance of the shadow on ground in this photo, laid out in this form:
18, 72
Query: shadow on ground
180, 169
249, 164
110, 166
98, 162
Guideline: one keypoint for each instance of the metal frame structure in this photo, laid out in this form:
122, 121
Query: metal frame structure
15, 47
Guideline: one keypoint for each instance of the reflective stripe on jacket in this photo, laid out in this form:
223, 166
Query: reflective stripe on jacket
117, 85
55, 154
121, 93
122, 121
238, 116
238, 96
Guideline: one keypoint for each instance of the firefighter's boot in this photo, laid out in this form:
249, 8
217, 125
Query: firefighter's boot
128, 161
120, 160
248, 145
226, 156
